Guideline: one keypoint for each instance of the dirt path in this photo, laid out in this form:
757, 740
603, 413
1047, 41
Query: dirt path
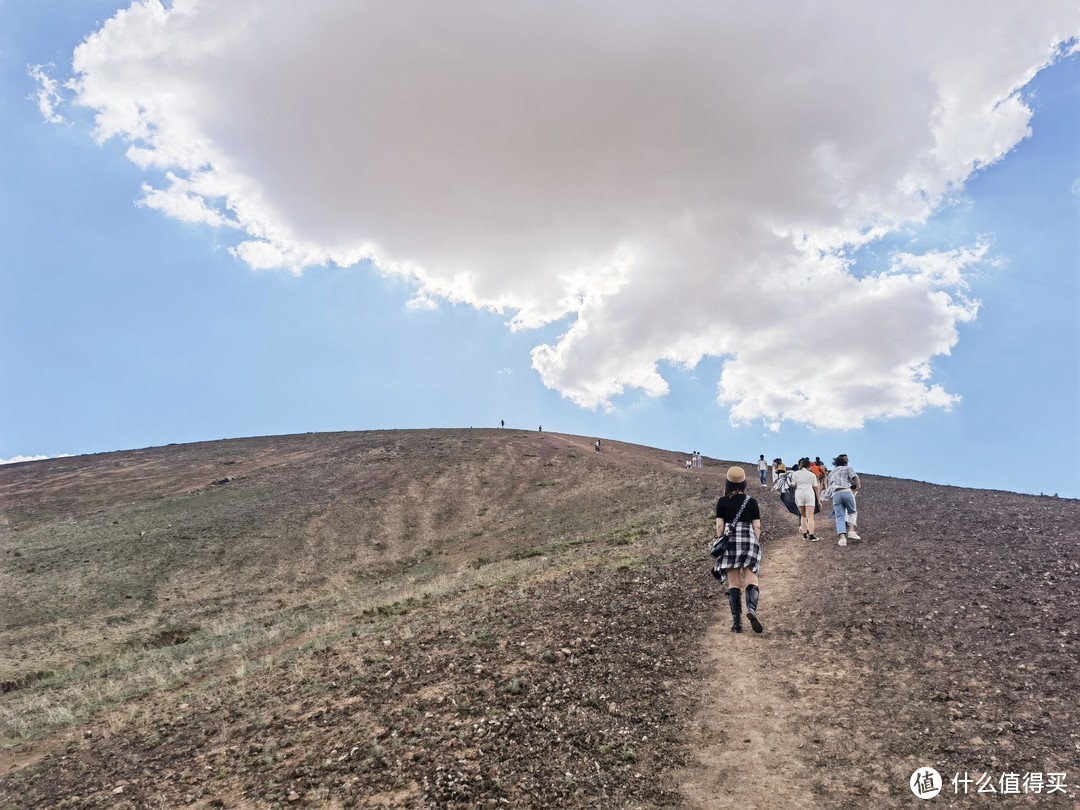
748, 752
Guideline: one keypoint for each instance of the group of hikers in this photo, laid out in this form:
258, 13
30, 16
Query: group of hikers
810, 483
737, 544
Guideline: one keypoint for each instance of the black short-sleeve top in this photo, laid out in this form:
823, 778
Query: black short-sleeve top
726, 509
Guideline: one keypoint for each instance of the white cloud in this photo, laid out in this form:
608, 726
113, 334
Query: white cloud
683, 179
185, 200
48, 94
20, 459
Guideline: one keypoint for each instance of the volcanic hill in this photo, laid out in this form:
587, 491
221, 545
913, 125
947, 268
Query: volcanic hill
499, 618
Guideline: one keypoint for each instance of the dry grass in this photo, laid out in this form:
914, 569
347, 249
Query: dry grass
537, 534
479, 618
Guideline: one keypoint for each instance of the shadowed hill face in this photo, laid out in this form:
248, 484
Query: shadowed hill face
104, 551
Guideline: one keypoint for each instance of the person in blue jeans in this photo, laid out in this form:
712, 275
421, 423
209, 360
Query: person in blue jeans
843, 484
763, 470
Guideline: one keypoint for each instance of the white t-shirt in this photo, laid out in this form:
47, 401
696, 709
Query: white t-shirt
762, 464
804, 479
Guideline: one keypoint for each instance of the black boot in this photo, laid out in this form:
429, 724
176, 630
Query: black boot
752, 593
733, 595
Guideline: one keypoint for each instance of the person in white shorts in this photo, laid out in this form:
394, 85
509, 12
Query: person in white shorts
806, 497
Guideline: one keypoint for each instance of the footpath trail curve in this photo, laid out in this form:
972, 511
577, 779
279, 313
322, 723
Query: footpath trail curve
746, 746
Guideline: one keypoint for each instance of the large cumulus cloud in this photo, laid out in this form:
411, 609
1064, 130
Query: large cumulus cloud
682, 179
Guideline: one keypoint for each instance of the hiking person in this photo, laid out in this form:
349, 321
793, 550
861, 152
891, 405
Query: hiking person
818, 469
763, 470
741, 559
806, 498
843, 484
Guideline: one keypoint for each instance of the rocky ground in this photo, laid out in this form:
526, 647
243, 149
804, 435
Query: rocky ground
488, 618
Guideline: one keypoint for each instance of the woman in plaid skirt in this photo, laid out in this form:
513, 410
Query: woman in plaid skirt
742, 557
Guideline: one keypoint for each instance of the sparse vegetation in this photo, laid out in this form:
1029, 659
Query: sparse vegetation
514, 687
406, 619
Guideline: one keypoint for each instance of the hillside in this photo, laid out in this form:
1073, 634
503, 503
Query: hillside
466, 618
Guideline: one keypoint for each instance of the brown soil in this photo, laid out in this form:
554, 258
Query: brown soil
498, 618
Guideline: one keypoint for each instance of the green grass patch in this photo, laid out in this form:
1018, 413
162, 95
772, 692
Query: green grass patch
514, 687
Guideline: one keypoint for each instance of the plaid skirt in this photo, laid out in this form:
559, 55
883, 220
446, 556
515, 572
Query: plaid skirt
743, 550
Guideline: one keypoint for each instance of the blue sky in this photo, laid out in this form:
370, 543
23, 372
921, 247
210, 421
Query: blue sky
126, 327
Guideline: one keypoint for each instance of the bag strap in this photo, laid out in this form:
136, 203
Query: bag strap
739, 513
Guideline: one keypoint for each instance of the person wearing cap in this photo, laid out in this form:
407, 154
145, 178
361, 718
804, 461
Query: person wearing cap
742, 558
843, 484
